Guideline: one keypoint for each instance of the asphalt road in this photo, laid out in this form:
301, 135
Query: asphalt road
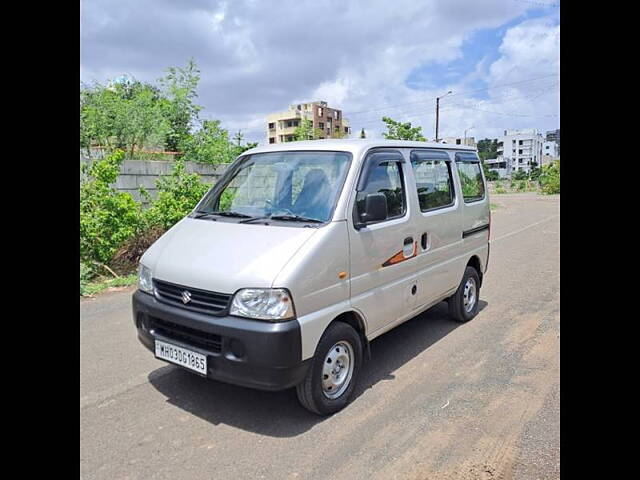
438, 400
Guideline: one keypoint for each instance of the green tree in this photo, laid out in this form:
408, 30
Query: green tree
362, 134
402, 131
121, 116
487, 148
179, 108
210, 144
305, 131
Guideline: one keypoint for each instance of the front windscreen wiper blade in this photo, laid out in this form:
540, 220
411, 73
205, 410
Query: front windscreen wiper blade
295, 218
231, 214
201, 214
247, 220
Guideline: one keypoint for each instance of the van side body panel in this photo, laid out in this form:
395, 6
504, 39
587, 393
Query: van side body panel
385, 295
475, 228
312, 277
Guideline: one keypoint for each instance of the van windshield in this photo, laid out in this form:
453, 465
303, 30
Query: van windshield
283, 185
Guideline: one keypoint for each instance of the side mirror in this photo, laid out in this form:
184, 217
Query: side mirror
375, 209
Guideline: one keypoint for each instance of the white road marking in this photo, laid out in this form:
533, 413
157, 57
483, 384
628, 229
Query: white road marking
524, 228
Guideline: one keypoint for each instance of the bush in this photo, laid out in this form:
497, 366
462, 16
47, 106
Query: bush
210, 144
86, 274
178, 194
107, 217
127, 258
550, 178
491, 175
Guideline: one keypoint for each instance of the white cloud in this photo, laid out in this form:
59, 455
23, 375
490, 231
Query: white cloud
257, 58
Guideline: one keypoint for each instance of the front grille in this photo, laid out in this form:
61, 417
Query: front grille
187, 335
202, 301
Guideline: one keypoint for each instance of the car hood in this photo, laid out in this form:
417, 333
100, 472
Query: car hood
223, 256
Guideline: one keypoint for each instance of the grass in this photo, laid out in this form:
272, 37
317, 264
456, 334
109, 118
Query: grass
494, 206
101, 284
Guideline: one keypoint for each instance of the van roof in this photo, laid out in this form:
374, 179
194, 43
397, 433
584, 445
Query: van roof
353, 145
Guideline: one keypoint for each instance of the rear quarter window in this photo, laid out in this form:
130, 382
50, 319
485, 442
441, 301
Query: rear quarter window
470, 174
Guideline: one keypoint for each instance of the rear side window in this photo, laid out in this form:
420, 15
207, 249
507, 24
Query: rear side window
433, 181
471, 181
385, 177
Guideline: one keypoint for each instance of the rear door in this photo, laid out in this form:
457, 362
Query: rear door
381, 253
438, 223
475, 208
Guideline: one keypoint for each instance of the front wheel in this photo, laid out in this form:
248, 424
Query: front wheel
463, 305
331, 379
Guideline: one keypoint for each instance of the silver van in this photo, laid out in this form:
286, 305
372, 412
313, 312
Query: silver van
304, 252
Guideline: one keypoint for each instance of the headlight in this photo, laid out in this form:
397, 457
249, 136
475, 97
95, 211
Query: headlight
145, 281
263, 303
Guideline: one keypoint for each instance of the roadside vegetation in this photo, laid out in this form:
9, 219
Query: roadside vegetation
140, 121
135, 120
146, 119
545, 181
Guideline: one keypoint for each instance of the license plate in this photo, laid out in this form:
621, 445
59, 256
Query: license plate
181, 356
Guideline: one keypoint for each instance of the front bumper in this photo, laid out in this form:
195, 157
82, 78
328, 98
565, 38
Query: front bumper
251, 353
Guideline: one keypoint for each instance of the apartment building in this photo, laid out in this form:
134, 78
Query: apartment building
551, 149
521, 148
281, 125
554, 136
500, 166
469, 141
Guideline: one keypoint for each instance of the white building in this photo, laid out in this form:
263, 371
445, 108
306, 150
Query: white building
551, 149
521, 148
469, 141
499, 165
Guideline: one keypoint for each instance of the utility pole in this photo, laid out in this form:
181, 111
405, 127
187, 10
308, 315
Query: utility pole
465, 134
438, 112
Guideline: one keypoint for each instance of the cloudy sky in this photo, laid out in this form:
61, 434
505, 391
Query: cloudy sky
500, 58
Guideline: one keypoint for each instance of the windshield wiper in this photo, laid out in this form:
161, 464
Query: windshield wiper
232, 214
247, 220
295, 218
201, 214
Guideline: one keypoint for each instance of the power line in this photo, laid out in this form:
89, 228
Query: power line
423, 112
539, 4
519, 95
454, 94
411, 116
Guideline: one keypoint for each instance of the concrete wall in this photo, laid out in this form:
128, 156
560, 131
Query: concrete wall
136, 173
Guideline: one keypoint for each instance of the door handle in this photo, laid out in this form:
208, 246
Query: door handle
408, 248
424, 241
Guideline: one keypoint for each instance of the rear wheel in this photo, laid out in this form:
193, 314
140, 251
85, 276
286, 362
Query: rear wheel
463, 305
331, 379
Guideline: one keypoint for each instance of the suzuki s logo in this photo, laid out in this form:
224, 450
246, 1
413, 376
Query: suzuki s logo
186, 297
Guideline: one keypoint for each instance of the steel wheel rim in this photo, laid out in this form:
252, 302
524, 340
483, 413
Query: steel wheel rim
470, 295
337, 369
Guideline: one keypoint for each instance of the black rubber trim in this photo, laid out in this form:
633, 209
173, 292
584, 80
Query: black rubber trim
466, 233
467, 157
271, 352
427, 154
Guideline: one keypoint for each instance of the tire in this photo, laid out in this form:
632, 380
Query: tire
459, 303
339, 345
